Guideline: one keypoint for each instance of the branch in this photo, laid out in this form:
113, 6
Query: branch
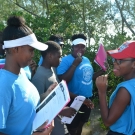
47, 7
25, 9
123, 18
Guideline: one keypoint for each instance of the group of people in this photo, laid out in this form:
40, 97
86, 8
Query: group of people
20, 95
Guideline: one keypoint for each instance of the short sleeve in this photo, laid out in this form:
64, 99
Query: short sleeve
4, 111
64, 65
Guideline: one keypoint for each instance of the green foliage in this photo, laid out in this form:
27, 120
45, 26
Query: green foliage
98, 19
102, 124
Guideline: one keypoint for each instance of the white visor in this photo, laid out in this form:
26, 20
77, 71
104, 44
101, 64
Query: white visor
30, 40
79, 41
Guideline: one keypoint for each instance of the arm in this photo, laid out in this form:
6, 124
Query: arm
101, 71
98, 73
112, 114
69, 73
68, 112
44, 95
87, 102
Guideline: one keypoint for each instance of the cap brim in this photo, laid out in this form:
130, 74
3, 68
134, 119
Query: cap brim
61, 43
39, 46
117, 55
83, 43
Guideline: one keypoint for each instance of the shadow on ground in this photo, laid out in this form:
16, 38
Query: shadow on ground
94, 127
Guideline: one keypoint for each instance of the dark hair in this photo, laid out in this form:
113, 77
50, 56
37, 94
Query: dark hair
52, 47
16, 28
56, 38
75, 36
1, 50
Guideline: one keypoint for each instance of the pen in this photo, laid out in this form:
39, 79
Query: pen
38, 131
80, 112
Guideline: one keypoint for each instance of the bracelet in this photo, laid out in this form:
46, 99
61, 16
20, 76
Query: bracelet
73, 65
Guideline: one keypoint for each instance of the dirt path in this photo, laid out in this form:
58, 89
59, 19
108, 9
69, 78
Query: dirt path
94, 127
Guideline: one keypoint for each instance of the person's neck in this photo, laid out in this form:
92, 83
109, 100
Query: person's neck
46, 65
12, 66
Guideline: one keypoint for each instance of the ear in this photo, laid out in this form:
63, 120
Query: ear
133, 65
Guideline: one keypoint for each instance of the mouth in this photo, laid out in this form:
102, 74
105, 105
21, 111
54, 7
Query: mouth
116, 72
79, 54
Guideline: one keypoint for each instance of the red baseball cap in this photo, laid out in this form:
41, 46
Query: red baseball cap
126, 50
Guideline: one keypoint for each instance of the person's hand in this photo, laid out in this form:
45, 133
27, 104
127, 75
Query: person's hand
33, 65
77, 60
89, 103
102, 83
51, 87
43, 130
68, 112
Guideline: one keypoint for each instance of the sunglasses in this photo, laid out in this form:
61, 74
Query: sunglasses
119, 61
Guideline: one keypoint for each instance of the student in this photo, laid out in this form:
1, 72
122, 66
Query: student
56, 38
29, 70
120, 115
45, 76
18, 96
78, 73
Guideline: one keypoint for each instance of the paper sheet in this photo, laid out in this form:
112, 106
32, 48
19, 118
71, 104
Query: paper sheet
77, 103
52, 105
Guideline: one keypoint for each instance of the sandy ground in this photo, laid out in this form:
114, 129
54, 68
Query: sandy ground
94, 127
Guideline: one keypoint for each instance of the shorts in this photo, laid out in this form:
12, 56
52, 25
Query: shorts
115, 133
80, 117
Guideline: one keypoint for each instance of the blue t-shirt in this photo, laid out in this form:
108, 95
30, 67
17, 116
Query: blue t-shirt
81, 82
28, 72
2, 61
18, 101
126, 123
26, 69
40, 61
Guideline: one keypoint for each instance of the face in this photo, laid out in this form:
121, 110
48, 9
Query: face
56, 58
25, 55
80, 48
124, 67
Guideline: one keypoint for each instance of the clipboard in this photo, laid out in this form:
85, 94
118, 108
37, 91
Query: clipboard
101, 57
50, 107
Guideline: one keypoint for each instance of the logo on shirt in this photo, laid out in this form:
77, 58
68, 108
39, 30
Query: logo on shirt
87, 74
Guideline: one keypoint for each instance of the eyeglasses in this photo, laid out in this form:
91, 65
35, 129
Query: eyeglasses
119, 61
